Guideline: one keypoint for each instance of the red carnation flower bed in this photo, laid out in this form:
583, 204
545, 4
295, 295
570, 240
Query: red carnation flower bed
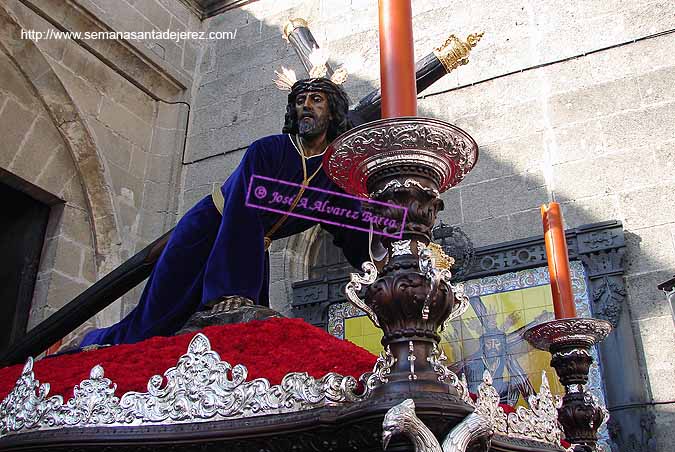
269, 349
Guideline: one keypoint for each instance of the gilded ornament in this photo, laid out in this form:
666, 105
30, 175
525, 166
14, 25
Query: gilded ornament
454, 53
292, 25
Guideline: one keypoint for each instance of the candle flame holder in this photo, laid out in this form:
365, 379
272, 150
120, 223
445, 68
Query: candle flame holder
569, 341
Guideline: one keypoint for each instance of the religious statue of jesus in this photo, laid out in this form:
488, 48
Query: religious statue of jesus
218, 250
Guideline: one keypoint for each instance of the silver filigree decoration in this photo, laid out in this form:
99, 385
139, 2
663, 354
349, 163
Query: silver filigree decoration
354, 285
94, 402
200, 387
400, 248
26, 406
540, 420
487, 404
584, 331
382, 369
462, 301
411, 359
487, 419
438, 361
395, 183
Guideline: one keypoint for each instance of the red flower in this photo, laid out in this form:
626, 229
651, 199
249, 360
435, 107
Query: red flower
269, 349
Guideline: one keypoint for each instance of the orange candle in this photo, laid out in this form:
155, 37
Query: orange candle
558, 261
397, 59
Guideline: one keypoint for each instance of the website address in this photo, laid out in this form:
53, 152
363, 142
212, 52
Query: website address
172, 35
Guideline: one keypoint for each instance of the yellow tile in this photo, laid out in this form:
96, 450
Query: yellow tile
357, 341
537, 296
372, 343
369, 327
511, 301
469, 314
516, 319
353, 327
451, 353
532, 314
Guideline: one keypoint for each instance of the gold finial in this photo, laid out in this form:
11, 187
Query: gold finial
454, 53
292, 25
442, 260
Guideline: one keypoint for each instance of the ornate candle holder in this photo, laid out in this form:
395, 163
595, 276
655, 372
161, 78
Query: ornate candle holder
569, 341
406, 162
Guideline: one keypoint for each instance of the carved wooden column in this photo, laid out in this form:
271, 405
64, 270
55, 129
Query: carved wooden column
406, 162
569, 341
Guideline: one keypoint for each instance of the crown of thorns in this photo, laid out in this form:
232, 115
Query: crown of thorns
319, 58
316, 84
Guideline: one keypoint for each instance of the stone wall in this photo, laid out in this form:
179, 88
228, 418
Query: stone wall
568, 101
34, 151
115, 138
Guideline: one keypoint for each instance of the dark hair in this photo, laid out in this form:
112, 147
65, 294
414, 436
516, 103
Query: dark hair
338, 102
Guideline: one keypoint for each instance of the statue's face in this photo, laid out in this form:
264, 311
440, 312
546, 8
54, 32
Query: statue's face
313, 113
494, 346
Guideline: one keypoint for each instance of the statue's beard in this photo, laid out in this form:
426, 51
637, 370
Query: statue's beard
310, 126
493, 362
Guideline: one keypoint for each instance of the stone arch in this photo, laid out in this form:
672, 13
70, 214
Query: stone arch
72, 128
297, 254
293, 265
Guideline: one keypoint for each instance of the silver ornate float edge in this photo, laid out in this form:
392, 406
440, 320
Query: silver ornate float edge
200, 388
538, 423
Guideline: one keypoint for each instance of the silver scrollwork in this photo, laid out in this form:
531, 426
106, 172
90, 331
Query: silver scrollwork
354, 285
438, 361
462, 301
200, 387
382, 369
395, 183
400, 248
585, 331
540, 420
487, 419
